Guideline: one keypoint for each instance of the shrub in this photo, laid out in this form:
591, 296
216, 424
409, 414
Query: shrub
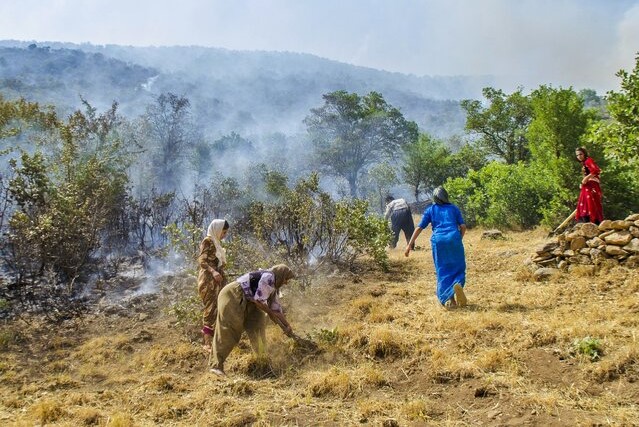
501, 195
62, 206
589, 347
306, 225
187, 311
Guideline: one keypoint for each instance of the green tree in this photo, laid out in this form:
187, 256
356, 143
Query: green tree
556, 130
350, 132
501, 126
619, 138
67, 197
231, 142
427, 164
275, 183
469, 157
15, 116
620, 135
227, 196
307, 226
382, 177
501, 195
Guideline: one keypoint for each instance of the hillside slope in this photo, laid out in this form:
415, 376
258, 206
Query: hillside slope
391, 355
245, 92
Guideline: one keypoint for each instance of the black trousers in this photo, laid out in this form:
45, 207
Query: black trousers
401, 220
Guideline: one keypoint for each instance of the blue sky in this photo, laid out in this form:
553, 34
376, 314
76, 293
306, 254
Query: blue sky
525, 42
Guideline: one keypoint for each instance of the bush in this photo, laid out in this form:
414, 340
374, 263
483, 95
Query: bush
61, 206
501, 195
306, 226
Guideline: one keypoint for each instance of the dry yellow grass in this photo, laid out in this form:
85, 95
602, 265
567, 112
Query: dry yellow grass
390, 355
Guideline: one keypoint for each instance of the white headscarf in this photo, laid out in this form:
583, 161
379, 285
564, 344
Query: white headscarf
215, 232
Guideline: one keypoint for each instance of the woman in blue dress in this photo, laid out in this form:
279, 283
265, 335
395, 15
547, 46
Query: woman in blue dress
447, 247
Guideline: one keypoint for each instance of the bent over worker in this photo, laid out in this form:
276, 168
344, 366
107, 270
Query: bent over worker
243, 305
401, 219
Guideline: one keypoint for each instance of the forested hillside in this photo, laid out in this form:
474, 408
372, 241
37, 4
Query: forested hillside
230, 91
61, 76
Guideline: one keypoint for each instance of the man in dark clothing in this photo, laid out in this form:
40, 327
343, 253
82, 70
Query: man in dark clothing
401, 219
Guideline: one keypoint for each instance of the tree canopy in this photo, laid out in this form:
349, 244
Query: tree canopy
351, 132
501, 126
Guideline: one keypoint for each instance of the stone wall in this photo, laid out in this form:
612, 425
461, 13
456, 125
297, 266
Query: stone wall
609, 244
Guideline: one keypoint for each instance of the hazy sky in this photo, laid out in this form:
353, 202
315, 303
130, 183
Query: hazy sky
529, 42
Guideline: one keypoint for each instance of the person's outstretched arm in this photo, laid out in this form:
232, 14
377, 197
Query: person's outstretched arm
277, 317
410, 244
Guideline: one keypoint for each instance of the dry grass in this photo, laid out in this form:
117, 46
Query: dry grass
390, 355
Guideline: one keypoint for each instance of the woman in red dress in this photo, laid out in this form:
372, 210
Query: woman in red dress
589, 208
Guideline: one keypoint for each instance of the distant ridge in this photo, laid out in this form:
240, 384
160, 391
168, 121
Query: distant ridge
243, 91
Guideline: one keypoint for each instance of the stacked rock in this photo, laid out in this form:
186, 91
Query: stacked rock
609, 244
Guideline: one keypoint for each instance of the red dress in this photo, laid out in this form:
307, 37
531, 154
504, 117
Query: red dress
589, 206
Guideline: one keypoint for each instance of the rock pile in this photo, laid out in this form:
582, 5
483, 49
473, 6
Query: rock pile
609, 244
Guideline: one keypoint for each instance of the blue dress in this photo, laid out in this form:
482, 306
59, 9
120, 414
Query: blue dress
447, 247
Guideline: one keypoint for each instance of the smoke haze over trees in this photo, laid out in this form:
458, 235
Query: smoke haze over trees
229, 91
115, 152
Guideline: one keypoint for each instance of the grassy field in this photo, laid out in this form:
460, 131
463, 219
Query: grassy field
559, 352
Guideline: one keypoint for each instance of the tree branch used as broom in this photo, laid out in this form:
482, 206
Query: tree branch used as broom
563, 224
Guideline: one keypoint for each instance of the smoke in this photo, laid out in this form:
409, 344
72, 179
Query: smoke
157, 268
525, 42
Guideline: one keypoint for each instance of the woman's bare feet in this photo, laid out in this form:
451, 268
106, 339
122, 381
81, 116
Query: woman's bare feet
207, 342
460, 297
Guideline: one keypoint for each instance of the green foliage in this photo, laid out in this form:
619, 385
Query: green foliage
469, 157
187, 311
501, 127
550, 124
328, 336
427, 164
58, 224
185, 240
620, 187
501, 195
589, 347
350, 132
247, 253
171, 135
275, 183
227, 196
619, 138
305, 225
381, 177
17, 116
468, 194
232, 142
63, 204
365, 234
558, 125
